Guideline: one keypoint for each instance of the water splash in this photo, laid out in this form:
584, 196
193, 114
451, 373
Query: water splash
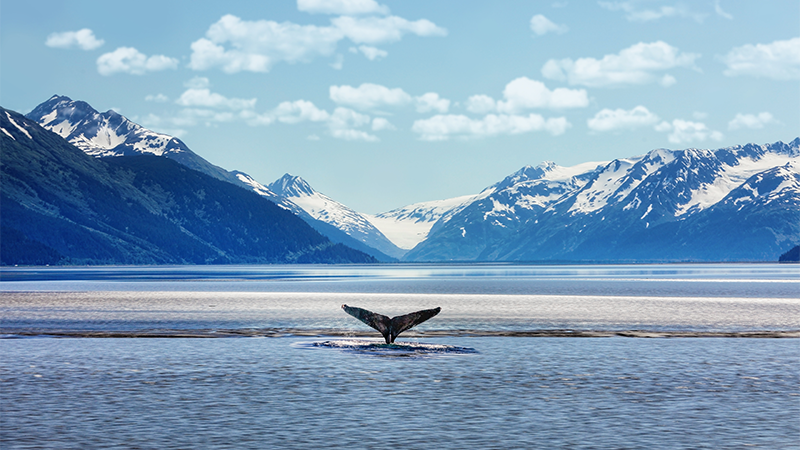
395, 350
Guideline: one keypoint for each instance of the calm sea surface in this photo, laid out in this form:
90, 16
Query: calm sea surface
456, 388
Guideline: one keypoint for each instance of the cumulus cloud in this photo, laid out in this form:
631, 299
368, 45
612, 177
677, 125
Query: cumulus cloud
618, 119
299, 111
720, 12
236, 45
431, 102
83, 39
524, 93
197, 83
667, 80
158, 124
443, 127
634, 12
158, 98
343, 123
372, 53
369, 96
685, 132
380, 123
541, 25
751, 121
636, 64
191, 117
480, 104
779, 60
379, 30
342, 7
130, 60
205, 98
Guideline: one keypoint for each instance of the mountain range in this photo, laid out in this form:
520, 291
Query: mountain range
62, 206
740, 203
110, 134
732, 204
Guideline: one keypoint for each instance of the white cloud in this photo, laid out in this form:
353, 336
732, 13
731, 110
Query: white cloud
720, 12
236, 45
700, 115
190, 117
83, 39
369, 96
617, 119
480, 104
541, 25
372, 53
338, 63
130, 60
299, 111
197, 83
524, 93
684, 131
350, 134
432, 102
342, 7
751, 121
635, 13
158, 98
443, 127
158, 124
378, 30
779, 60
343, 123
667, 80
379, 123
206, 98
633, 65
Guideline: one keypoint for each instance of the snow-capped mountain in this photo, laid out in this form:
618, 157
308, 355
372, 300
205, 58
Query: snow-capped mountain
62, 206
621, 209
110, 134
325, 209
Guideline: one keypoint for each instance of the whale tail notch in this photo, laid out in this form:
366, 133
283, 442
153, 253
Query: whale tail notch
390, 328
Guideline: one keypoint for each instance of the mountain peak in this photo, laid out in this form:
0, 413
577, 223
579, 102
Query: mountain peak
291, 186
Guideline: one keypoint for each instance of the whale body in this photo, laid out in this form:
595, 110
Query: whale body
390, 328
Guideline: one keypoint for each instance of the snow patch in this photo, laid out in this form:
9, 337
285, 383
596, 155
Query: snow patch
7, 133
608, 183
498, 209
63, 129
729, 178
47, 118
24, 131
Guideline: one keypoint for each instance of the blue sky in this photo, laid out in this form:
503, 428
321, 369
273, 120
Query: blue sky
382, 104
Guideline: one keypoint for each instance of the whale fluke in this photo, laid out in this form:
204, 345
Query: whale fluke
390, 328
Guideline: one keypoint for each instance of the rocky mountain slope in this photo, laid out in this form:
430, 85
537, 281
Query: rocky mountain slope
325, 209
62, 206
736, 203
110, 134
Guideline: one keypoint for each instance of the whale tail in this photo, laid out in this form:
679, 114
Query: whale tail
390, 328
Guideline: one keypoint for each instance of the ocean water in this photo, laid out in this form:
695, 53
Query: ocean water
309, 376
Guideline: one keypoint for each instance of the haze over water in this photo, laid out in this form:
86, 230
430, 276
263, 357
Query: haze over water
450, 385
